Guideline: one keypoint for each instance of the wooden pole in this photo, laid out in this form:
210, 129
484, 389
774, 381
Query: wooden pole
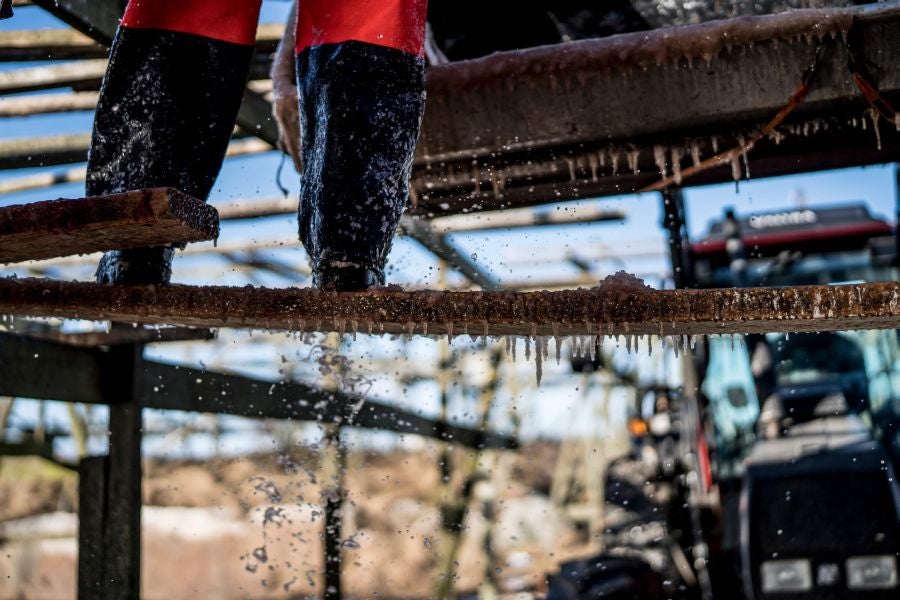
457, 513
109, 511
122, 533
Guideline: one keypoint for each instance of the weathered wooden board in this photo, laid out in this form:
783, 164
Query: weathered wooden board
615, 307
135, 219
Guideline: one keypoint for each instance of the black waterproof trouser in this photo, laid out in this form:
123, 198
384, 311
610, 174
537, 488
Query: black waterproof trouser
170, 99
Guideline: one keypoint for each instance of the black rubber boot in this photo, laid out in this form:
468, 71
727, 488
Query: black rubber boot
361, 108
346, 278
166, 112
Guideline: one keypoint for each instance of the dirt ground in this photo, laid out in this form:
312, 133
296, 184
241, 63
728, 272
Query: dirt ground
252, 527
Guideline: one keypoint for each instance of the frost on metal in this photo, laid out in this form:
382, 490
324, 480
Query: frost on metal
616, 308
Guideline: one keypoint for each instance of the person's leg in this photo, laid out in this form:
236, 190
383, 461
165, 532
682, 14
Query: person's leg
361, 77
167, 108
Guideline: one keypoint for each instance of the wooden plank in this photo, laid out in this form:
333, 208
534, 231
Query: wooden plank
131, 220
612, 308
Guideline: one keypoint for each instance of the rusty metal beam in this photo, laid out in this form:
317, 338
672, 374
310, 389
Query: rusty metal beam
131, 220
598, 117
613, 308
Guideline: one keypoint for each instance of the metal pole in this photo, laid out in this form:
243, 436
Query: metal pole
675, 223
334, 461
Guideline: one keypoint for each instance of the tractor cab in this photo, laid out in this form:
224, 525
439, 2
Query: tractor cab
803, 427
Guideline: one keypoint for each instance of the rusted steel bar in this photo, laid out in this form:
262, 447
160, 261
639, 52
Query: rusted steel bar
611, 309
608, 116
140, 218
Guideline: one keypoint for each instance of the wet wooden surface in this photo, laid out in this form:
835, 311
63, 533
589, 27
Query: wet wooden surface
135, 219
614, 308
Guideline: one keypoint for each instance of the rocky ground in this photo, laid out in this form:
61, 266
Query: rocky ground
251, 527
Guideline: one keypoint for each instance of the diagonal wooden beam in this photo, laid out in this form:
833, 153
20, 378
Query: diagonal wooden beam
131, 220
613, 308
32, 369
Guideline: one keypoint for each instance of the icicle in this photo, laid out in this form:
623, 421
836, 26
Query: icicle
714, 140
354, 327
594, 165
538, 364
695, 153
449, 327
675, 348
410, 328
593, 348
659, 155
677, 152
575, 342
425, 328
634, 157
341, 326
732, 342
558, 348
693, 341
527, 348
735, 168
875, 116
637, 339
545, 346
684, 344
571, 164
614, 159
742, 142
369, 326
485, 332
507, 346
649, 345
628, 344
514, 344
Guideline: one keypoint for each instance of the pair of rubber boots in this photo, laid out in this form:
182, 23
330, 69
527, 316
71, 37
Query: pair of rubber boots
167, 110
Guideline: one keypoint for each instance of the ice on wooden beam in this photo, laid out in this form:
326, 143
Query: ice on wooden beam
135, 219
600, 311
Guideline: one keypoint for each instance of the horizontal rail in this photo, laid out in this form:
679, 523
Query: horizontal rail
613, 308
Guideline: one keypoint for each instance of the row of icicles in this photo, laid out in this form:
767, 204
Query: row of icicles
671, 158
